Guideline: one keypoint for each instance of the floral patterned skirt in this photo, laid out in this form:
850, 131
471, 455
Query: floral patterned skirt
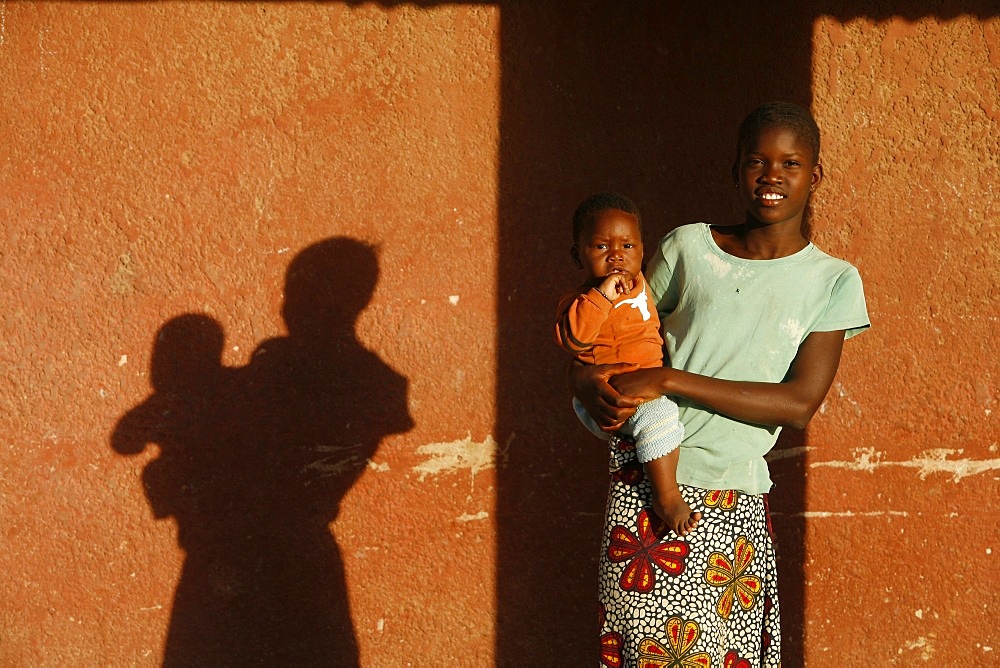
706, 600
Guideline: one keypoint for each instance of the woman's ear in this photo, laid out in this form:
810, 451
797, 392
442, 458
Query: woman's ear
574, 253
817, 177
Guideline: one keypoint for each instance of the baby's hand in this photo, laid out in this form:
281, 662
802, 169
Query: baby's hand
614, 285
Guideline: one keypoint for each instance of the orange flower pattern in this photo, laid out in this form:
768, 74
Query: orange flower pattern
705, 600
722, 572
611, 645
679, 650
611, 650
724, 499
734, 660
645, 550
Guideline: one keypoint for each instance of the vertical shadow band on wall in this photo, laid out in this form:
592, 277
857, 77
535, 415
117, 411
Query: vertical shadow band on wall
644, 99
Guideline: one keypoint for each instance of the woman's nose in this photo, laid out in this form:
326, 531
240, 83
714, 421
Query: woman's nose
770, 174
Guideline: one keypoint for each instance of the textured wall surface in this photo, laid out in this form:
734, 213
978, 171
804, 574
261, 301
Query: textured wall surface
900, 525
168, 159
276, 278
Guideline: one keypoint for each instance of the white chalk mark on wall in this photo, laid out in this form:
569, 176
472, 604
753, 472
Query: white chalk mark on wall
926, 463
823, 514
865, 459
457, 456
3, 21
481, 515
923, 645
842, 393
43, 49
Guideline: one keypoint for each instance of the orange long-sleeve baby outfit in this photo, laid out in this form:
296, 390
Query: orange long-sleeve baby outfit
598, 331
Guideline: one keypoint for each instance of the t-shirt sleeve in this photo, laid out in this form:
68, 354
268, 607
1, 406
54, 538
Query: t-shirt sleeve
847, 309
660, 278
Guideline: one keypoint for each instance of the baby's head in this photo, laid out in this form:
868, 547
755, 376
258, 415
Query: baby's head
779, 114
187, 353
589, 209
607, 237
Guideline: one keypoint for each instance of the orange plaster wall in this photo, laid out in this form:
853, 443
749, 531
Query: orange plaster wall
902, 463
164, 159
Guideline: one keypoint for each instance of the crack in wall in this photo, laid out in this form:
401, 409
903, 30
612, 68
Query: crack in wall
929, 461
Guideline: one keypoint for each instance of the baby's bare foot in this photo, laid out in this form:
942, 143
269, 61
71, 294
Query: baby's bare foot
676, 513
689, 524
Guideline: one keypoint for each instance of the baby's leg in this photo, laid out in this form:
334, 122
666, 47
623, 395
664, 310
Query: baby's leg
667, 500
658, 433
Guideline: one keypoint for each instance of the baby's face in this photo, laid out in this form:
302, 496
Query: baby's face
610, 244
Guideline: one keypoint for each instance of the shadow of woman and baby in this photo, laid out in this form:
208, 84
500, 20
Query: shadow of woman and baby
254, 462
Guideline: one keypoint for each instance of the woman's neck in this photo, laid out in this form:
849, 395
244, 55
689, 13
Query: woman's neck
755, 241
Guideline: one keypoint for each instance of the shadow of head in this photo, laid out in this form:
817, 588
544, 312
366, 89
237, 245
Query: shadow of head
186, 372
187, 350
328, 285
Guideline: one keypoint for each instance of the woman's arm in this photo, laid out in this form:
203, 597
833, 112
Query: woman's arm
790, 403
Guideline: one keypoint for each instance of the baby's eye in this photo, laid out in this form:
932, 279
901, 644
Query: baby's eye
793, 163
629, 245
600, 246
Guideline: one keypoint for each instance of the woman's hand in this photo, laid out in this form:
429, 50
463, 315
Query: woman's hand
644, 384
589, 384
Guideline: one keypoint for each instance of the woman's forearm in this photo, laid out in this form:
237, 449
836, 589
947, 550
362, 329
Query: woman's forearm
777, 404
790, 403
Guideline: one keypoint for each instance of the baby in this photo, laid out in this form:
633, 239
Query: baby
610, 319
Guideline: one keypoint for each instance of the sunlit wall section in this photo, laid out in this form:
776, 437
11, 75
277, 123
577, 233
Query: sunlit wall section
903, 455
192, 435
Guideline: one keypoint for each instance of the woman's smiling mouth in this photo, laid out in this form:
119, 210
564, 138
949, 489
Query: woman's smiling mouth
770, 197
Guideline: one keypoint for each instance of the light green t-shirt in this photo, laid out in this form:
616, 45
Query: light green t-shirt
736, 319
